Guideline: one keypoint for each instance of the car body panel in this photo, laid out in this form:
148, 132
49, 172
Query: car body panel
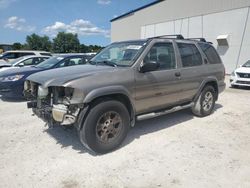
147, 92
241, 77
8, 89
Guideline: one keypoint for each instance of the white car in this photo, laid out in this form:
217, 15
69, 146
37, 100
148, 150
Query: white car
9, 56
241, 76
23, 62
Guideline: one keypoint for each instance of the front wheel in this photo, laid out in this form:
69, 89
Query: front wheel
205, 104
105, 127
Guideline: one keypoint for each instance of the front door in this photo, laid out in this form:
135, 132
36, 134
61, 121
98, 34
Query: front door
158, 89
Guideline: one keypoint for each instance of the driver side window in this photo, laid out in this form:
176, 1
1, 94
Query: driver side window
163, 54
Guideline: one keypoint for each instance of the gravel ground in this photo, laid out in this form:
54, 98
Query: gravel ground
176, 150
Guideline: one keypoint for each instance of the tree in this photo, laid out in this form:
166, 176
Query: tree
36, 42
94, 48
83, 48
17, 46
66, 43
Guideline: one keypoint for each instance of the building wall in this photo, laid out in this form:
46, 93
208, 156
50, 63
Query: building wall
235, 23
193, 18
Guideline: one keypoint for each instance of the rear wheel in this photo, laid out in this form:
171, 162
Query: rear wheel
205, 103
105, 127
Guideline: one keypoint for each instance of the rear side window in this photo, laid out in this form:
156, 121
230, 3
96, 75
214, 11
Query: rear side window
210, 53
46, 54
190, 55
25, 53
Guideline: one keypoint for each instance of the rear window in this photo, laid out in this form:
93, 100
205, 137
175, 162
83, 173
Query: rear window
210, 53
190, 55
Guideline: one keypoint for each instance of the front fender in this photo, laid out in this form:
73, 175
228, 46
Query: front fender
108, 90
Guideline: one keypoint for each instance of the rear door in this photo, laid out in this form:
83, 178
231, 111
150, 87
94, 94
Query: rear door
193, 70
158, 89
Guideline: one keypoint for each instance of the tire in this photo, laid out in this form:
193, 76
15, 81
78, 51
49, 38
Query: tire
105, 127
204, 105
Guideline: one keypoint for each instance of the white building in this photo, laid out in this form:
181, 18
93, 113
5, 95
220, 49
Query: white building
225, 23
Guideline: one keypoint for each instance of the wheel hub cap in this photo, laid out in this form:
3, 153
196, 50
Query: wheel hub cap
208, 101
108, 126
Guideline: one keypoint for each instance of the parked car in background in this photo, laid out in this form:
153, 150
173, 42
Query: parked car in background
12, 80
128, 81
9, 56
241, 76
23, 62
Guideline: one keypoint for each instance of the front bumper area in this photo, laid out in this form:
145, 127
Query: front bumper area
56, 114
236, 81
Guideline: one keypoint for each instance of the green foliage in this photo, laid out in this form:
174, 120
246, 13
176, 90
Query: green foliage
66, 43
36, 42
62, 43
17, 46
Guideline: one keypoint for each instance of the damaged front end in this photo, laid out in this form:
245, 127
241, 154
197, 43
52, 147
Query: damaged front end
54, 105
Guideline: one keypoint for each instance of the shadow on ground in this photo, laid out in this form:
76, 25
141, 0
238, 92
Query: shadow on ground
241, 88
68, 137
11, 100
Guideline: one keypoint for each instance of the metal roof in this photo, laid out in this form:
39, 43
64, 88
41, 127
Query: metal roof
135, 10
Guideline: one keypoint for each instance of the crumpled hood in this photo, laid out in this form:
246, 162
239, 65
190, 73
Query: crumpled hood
243, 70
61, 76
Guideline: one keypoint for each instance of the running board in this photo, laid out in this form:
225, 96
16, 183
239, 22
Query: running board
156, 114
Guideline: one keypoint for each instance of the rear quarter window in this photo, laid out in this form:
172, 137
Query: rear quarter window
46, 54
25, 53
210, 53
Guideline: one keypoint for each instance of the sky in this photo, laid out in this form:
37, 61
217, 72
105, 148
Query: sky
90, 19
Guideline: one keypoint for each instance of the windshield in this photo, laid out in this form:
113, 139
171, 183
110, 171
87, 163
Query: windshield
119, 54
247, 64
16, 60
49, 63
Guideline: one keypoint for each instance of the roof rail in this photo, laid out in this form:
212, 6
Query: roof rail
179, 36
199, 39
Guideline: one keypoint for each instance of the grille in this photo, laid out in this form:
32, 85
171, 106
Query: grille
243, 75
243, 82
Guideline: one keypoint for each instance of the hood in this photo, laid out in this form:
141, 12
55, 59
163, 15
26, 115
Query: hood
61, 76
4, 64
6, 68
20, 71
243, 70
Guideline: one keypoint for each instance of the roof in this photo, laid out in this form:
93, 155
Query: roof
38, 51
135, 10
69, 55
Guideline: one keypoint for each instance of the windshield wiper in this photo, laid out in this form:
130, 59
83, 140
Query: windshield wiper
109, 63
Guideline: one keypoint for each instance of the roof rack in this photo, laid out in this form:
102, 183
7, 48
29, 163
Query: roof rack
179, 36
199, 39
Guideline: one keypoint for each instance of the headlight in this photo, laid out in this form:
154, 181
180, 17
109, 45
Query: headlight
26, 85
11, 78
233, 73
42, 92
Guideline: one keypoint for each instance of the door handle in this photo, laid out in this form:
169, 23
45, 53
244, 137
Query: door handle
177, 74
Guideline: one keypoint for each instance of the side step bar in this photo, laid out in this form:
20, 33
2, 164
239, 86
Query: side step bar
156, 114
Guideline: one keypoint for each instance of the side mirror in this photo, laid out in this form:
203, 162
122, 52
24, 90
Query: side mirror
149, 66
20, 64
